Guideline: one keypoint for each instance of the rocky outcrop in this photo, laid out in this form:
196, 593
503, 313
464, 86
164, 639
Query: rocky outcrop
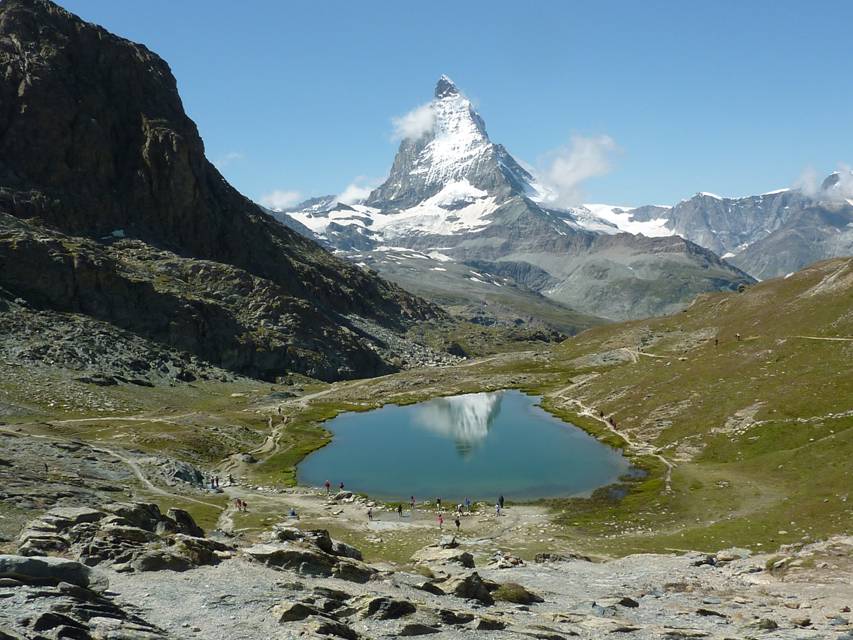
128, 536
99, 162
311, 553
57, 598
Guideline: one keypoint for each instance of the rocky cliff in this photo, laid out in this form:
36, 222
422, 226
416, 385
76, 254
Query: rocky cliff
111, 209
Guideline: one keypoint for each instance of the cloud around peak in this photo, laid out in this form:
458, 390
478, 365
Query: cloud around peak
414, 124
281, 199
567, 168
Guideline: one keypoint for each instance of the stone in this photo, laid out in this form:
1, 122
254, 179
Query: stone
448, 616
430, 587
294, 611
439, 556
158, 560
51, 570
471, 587
327, 627
345, 550
489, 624
352, 571
185, 523
296, 558
541, 558
384, 608
417, 629
767, 624
515, 593
199, 551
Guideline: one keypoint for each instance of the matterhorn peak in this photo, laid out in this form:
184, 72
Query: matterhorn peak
445, 87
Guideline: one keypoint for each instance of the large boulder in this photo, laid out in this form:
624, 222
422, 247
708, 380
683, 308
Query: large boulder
471, 587
436, 555
185, 523
301, 559
353, 570
51, 570
160, 560
385, 608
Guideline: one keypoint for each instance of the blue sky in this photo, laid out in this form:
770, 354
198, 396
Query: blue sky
731, 97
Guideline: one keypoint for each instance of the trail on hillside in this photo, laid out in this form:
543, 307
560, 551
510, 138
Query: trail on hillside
638, 447
824, 338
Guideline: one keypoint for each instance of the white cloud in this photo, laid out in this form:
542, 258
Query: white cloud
229, 158
356, 191
808, 182
567, 168
281, 199
416, 123
841, 190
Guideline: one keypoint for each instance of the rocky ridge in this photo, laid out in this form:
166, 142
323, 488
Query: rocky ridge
109, 208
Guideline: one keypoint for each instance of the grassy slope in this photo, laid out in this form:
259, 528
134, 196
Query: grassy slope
760, 429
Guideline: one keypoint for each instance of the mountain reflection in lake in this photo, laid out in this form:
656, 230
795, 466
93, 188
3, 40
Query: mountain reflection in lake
479, 445
464, 419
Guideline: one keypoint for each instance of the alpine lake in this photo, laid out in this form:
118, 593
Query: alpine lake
478, 446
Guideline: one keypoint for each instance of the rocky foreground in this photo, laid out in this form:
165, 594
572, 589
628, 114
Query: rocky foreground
128, 571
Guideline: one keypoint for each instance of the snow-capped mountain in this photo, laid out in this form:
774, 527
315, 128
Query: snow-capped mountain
766, 235
459, 210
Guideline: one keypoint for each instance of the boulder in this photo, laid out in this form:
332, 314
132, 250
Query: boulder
159, 560
296, 558
353, 570
384, 608
470, 587
327, 627
294, 611
200, 551
448, 542
489, 624
437, 556
138, 514
515, 593
51, 570
449, 616
345, 550
417, 629
185, 523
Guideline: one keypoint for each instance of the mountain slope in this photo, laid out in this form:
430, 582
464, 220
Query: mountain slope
453, 194
95, 147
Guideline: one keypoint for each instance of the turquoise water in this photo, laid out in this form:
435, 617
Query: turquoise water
479, 445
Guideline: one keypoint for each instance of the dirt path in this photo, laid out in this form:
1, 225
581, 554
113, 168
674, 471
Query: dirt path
635, 354
822, 338
638, 447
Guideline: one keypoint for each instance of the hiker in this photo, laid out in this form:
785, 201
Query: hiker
459, 509
400, 510
497, 508
737, 335
440, 521
457, 523
600, 413
468, 505
245, 507
237, 504
328, 486
716, 341
341, 486
279, 410
216, 481
501, 501
370, 514
230, 479
293, 513
438, 503
412, 500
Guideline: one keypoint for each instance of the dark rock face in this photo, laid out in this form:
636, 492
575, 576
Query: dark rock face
94, 147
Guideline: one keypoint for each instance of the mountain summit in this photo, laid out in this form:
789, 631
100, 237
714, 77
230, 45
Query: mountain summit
460, 220
453, 153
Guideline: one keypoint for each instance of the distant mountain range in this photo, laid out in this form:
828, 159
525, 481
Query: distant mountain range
460, 221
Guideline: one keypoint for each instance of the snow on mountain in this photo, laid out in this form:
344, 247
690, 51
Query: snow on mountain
605, 218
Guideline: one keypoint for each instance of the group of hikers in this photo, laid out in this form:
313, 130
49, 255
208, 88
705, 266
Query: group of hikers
213, 481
